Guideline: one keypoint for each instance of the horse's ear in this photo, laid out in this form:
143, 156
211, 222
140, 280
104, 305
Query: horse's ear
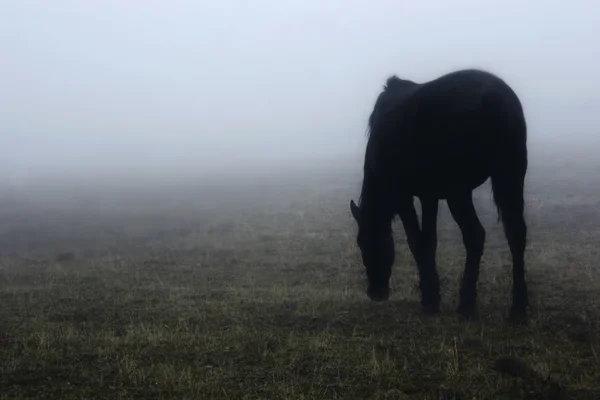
355, 210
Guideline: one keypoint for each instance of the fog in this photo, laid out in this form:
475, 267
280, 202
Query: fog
114, 89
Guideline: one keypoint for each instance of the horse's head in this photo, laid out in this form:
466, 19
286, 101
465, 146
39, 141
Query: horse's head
376, 245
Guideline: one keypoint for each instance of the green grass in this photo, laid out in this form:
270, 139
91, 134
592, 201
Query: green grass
242, 293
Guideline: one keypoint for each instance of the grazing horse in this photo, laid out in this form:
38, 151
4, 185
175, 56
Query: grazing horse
440, 140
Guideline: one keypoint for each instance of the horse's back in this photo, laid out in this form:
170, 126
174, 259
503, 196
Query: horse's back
465, 96
462, 125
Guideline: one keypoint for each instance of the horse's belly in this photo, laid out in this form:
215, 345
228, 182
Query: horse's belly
443, 179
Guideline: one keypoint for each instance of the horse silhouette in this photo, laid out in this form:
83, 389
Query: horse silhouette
440, 140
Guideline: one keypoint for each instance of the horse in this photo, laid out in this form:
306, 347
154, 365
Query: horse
440, 140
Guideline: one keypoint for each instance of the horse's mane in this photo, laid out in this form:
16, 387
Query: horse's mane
391, 95
385, 100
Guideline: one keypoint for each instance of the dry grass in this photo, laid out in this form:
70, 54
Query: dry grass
206, 294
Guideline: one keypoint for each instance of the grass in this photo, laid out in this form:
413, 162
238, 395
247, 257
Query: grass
235, 292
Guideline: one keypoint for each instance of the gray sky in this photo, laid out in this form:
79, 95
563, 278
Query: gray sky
159, 85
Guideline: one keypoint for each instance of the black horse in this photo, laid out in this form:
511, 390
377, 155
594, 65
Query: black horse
440, 140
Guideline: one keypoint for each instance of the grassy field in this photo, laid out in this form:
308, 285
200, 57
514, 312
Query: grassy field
256, 290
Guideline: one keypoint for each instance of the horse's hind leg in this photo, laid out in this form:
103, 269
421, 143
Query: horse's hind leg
508, 194
464, 213
429, 278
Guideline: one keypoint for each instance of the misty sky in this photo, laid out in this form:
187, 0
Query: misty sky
118, 85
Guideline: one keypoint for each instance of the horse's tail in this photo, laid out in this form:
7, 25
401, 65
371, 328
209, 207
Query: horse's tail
508, 176
510, 158
496, 195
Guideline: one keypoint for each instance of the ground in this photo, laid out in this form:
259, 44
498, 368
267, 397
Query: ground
256, 290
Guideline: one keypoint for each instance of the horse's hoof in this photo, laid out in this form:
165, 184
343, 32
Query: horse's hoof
468, 313
518, 316
379, 294
430, 308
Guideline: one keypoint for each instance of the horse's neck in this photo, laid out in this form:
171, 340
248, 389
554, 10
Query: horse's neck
376, 203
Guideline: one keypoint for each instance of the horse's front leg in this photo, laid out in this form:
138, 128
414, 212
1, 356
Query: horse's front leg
423, 245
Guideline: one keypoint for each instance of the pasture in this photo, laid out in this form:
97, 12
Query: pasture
254, 288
